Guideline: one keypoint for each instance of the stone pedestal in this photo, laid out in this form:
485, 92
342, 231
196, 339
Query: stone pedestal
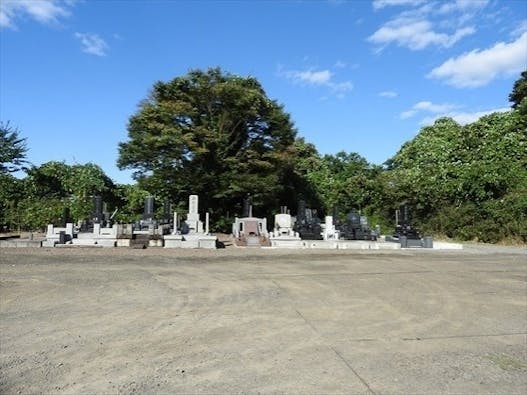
53, 235
286, 242
173, 241
104, 237
198, 241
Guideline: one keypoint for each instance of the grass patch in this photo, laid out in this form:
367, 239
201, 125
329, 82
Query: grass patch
507, 362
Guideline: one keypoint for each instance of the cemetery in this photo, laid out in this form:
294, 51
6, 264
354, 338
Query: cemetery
358, 225
334, 275
303, 231
171, 229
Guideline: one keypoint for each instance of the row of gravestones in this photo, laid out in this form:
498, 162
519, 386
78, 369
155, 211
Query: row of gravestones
248, 231
292, 231
189, 233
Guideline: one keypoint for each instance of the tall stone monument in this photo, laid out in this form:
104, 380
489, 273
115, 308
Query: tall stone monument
192, 234
193, 222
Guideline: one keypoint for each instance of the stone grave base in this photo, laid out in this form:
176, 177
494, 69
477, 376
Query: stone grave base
366, 245
103, 238
173, 241
190, 241
95, 242
333, 244
20, 243
286, 242
443, 245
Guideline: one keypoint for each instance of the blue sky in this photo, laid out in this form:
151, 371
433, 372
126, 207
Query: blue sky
359, 76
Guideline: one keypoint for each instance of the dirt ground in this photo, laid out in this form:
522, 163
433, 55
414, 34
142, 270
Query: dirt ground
121, 321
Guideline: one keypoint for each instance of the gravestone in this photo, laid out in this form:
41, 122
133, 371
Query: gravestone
307, 223
58, 235
249, 231
192, 234
284, 235
356, 228
148, 214
166, 212
405, 233
193, 221
97, 214
330, 231
149, 231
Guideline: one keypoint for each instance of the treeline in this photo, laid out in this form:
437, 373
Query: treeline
218, 135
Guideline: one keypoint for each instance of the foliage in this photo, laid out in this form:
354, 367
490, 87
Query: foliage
55, 192
12, 149
344, 180
213, 134
519, 91
131, 203
467, 182
10, 194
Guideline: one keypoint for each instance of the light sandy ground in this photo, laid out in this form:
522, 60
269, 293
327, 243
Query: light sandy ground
263, 321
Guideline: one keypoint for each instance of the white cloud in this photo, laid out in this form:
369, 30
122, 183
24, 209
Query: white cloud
43, 11
340, 64
479, 67
462, 118
345, 86
446, 110
427, 23
322, 78
427, 106
416, 34
388, 94
462, 6
92, 44
431, 107
408, 114
309, 77
378, 4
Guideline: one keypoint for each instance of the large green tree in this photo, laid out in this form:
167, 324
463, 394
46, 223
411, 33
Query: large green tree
213, 134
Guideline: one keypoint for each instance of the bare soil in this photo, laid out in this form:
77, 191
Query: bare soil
155, 321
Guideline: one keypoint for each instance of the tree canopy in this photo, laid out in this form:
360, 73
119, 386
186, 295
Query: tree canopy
213, 134
519, 90
13, 149
467, 181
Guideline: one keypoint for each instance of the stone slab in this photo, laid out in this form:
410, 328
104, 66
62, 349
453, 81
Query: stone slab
20, 243
443, 245
172, 241
122, 243
190, 241
320, 244
283, 242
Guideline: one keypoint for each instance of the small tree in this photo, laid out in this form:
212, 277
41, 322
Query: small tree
519, 90
12, 149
